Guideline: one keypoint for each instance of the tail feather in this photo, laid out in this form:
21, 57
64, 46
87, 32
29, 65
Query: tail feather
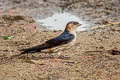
35, 49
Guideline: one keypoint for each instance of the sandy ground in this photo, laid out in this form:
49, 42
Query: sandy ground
95, 56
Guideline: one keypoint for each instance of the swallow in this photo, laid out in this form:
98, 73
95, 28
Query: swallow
64, 41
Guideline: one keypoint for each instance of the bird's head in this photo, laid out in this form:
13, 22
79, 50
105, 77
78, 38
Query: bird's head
72, 26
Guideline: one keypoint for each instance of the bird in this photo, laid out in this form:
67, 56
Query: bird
62, 42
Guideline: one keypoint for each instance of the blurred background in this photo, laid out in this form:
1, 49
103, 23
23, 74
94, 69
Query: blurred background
92, 12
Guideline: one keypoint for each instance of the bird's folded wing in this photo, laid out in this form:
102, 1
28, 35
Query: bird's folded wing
36, 48
62, 39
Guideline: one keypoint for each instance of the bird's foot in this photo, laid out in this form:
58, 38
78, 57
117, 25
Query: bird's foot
59, 53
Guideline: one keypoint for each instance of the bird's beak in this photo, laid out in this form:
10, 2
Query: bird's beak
79, 24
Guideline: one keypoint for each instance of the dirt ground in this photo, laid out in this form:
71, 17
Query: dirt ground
95, 56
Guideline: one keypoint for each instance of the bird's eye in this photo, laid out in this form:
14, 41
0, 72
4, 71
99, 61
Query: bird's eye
75, 23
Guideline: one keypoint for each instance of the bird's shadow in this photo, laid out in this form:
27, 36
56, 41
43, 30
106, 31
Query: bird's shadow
29, 57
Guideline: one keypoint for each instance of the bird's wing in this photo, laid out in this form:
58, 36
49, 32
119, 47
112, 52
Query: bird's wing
62, 39
35, 48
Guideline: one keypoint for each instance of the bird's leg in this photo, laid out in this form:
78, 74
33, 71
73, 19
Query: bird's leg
62, 56
59, 53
